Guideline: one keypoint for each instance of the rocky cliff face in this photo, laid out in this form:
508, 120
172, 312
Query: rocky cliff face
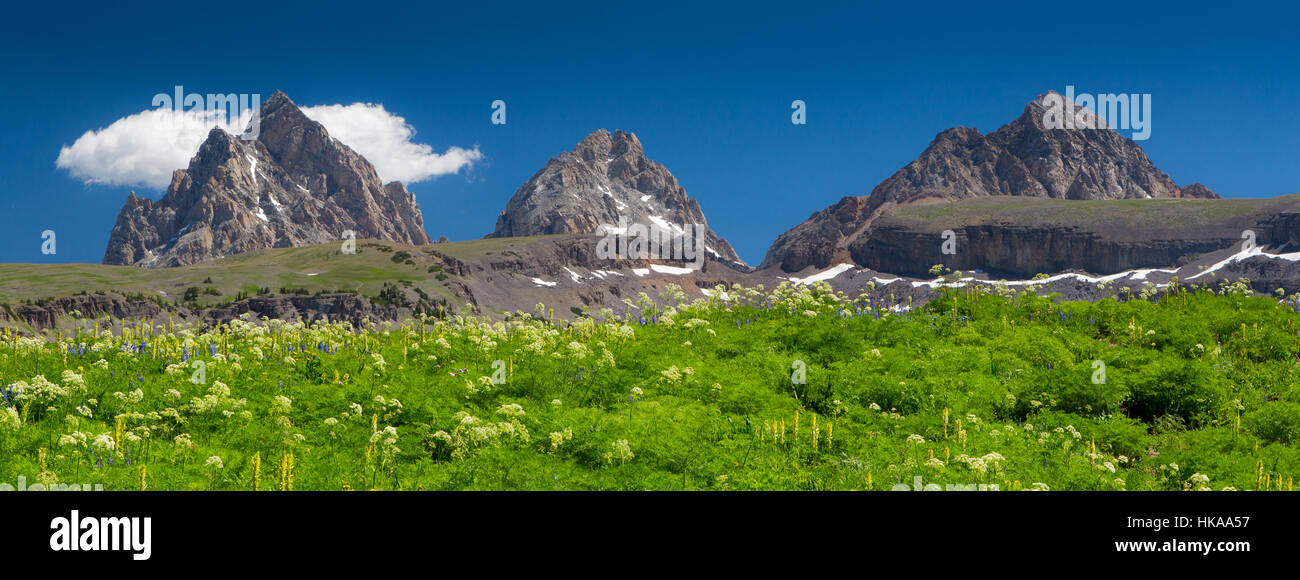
1022, 158
293, 185
1017, 239
822, 239
46, 315
604, 178
1284, 227
1022, 251
352, 308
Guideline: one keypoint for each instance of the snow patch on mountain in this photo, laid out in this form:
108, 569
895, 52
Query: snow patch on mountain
828, 274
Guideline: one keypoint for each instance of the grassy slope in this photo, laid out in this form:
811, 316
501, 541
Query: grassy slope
363, 272
1121, 215
472, 249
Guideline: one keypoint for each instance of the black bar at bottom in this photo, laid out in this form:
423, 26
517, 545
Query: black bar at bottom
536, 531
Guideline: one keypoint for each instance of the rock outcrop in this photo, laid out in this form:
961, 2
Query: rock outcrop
112, 309
1023, 158
351, 308
293, 185
1017, 239
607, 176
46, 314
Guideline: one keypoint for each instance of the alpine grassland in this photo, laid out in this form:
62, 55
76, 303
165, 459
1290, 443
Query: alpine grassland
792, 388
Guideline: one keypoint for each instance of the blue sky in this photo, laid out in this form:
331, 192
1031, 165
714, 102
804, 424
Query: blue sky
706, 88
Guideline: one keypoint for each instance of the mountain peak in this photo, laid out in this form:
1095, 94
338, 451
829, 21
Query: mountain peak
216, 135
1037, 110
1022, 158
626, 143
285, 129
605, 177
278, 98
293, 185
595, 145
280, 108
601, 144
1026, 157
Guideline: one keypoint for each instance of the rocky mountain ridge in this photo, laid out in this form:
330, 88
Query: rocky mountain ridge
1023, 158
604, 178
293, 185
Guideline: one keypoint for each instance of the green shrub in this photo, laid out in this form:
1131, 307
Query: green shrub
1276, 421
1184, 389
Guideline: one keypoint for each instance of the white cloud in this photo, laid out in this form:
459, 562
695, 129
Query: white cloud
142, 149
385, 140
145, 148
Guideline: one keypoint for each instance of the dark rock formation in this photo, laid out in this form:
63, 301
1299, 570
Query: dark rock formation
351, 308
1019, 252
46, 314
1021, 238
293, 185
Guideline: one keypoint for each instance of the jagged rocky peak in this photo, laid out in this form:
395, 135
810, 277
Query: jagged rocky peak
292, 185
602, 144
605, 177
1025, 157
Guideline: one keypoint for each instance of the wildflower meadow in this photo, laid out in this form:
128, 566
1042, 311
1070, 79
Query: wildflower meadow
794, 388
